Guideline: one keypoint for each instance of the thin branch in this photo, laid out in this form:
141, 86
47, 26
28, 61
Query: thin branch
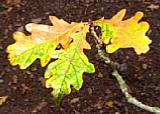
119, 78
131, 99
98, 45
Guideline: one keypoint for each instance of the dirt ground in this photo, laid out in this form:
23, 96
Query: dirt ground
24, 88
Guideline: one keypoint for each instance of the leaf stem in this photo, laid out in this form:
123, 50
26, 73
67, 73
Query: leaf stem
119, 78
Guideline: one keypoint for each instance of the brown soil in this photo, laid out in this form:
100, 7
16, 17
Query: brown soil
24, 88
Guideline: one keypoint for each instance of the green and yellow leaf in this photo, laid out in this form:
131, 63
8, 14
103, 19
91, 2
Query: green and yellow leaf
69, 67
41, 43
130, 33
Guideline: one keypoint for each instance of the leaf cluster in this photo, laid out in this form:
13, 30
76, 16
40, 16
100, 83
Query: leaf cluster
65, 42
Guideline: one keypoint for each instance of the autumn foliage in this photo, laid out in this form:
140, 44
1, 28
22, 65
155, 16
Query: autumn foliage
70, 61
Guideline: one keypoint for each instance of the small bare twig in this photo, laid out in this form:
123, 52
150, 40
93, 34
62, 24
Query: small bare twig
99, 45
130, 98
119, 78
101, 52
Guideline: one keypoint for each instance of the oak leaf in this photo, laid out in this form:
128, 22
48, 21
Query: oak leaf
69, 67
130, 33
41, 43
71, 61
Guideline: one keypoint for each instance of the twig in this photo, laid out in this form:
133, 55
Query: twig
119, 78
130, 98
98, 45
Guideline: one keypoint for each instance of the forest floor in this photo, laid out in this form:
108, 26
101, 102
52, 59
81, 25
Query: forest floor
24, 88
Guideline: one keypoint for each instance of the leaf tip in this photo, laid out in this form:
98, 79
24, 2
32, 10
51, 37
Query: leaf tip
101, 19
53, 18
138, 16
18, 35
119, 16
28, 27
123, 11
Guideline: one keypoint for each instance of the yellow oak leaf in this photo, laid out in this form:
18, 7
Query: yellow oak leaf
128, 33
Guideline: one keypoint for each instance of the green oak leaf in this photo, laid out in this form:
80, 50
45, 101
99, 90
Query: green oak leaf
41, 43
69, 67
106, 30
26, 53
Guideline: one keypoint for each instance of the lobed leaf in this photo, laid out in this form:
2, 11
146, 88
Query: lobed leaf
41, 43
130, 33
71, 62
69, 67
